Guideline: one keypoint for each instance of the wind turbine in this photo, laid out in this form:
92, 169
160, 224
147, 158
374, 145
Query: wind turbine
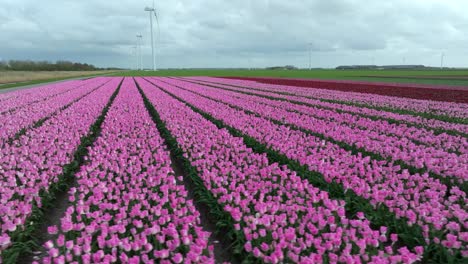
151, 11
442, 60
310, 56
134, 52
139, 40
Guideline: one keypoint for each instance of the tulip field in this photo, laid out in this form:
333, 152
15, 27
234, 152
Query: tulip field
231, 170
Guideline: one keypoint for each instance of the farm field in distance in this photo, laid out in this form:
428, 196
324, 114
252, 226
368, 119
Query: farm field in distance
429, 77
9, 79
185, 166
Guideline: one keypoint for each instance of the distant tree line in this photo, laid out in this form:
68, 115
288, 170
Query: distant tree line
383, 67
287, 67
28, 65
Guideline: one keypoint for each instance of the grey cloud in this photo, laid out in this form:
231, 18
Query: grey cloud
208, 33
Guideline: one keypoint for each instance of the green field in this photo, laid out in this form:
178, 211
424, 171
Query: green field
434, 77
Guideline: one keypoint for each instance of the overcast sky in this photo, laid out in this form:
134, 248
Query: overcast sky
238, 33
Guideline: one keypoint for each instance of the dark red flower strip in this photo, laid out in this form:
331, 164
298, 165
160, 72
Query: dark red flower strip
437, 93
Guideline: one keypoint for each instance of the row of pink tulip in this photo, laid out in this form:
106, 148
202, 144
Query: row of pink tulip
24, 117
6, 96
39, 91
127, 205
365, 133
416, 131
24, 97
420, 199
363, 100
281, 216
35, 160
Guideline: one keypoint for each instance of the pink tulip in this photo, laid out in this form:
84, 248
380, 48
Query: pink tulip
283, 203
113, 187
407, 197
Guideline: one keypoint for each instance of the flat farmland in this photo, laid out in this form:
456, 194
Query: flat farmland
425, 77
199, 169
19, 78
